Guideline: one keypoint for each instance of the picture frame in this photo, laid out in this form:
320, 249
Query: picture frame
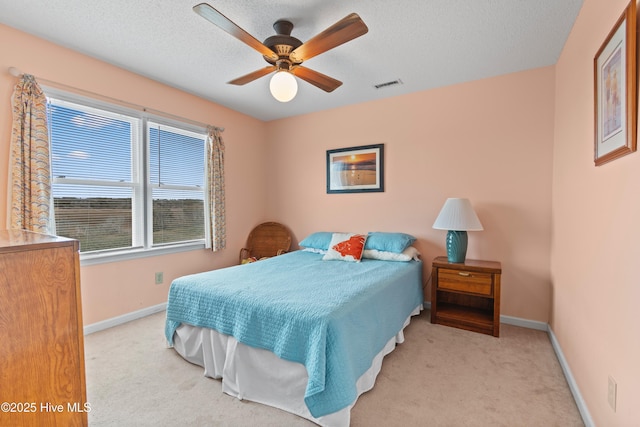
356, 169
615, 90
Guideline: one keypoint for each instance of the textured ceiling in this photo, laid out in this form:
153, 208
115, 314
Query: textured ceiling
424, 43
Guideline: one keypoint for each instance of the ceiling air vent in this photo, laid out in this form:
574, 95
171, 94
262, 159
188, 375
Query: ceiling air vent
387, 84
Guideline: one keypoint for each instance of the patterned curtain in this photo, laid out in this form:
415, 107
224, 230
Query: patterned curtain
30, 206
215, 187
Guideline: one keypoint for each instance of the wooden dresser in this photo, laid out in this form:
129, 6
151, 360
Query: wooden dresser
42, 377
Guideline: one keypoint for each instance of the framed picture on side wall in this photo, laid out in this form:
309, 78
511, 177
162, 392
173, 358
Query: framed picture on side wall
615, 88
356, 169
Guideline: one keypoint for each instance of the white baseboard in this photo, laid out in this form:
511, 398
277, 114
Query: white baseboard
525, 323
119, 320
582, 406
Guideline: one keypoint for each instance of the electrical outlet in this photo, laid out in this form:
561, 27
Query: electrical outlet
159, 278
613, 391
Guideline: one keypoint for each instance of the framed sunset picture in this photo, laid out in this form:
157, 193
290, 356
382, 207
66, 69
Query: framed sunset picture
356, 169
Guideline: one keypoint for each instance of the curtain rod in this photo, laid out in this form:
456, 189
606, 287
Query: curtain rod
17, 73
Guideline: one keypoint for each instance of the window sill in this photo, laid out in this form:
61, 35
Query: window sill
116, 256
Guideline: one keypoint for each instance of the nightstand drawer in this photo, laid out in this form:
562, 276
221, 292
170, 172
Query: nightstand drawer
465, 281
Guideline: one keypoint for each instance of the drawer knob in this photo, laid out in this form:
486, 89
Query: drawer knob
463, 273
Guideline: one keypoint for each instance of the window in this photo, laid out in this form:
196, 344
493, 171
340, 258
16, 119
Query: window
176, 181
125, 181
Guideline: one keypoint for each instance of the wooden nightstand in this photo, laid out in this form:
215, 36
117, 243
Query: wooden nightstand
466, 295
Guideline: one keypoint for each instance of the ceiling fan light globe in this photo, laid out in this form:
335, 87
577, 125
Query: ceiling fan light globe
283, 86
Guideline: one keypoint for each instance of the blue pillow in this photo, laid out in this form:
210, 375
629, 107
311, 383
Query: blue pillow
389, 242
318, 240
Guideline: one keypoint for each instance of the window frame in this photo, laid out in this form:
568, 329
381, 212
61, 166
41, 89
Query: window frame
142, 188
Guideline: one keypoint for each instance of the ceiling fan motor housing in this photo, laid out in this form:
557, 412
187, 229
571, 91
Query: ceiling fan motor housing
282, 43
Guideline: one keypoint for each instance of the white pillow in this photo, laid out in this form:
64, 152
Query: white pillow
411, 253
346, 247
314, 250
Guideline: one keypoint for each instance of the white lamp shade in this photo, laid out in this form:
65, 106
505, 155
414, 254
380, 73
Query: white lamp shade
283, 86
457, 215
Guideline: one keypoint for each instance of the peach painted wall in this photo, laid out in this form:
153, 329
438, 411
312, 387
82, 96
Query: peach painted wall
594, 258
110, 290
488, 140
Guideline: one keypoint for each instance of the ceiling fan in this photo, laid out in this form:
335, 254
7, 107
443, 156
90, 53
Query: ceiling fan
285, 53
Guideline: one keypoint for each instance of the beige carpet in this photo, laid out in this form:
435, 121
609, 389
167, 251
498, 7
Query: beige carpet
439, 376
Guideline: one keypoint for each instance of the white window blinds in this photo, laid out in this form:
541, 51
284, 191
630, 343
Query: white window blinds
125, 181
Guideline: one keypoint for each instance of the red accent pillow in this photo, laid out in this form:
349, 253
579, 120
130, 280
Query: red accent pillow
346, 247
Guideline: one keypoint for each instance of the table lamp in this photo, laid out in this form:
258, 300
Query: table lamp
457, 216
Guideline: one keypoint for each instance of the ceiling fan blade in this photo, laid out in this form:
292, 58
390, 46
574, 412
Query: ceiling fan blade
217, 18
253, 76
319, 80
348, 28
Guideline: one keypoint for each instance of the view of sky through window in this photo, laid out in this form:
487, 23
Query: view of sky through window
95, 147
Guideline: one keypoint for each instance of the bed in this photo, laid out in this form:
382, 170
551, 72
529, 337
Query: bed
296, 331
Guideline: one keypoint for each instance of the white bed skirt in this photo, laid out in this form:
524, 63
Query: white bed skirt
261, 376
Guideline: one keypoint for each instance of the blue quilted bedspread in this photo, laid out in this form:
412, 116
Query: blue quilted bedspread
331, 316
